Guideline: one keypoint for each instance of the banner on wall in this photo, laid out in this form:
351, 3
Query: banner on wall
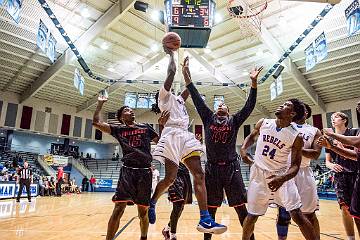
42, 36
51, 48
7, 190
56, 160
33, 190
13, 7
130, 99
217, 100
352, 14
320, 47
142, 100
105, 183
276, 88
310, 60
79, 81
316, 52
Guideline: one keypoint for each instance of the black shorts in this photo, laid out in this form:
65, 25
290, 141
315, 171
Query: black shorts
355, 200
344, 186
134, 186
181, 190
224, 177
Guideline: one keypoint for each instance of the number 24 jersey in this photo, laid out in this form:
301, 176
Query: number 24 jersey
273, 146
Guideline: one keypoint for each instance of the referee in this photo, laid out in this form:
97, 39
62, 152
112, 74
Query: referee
25, 179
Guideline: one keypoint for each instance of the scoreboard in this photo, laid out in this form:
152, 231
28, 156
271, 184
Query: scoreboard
190, 18
190, 13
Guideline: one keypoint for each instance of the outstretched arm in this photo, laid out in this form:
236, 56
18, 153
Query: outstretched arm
203, 110
347, 153
347, 140
249, 141
249, 106
97, 123
315, 150
171, 71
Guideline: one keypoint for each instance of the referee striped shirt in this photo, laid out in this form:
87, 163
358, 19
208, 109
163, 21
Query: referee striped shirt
25, 173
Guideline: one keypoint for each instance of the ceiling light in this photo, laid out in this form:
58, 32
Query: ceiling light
85, 13
155, 15
104, 46
218, 18
154, 47
111, 69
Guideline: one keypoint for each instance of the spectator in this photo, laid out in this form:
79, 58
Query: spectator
85, 184
73, 185
60, 180
117, 156
92, 183
41, 187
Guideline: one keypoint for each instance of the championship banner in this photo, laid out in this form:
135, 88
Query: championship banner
130, 99
79, 81
51, 48
217, 100
279, 86
104, 183
310, 60
13, 7
352, 14
272, 91
42, 36
76, 78
142, 100
320, 47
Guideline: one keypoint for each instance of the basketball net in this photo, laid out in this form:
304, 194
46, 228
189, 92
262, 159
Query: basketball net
248, 17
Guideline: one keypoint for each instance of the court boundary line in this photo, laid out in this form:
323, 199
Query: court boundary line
124, 227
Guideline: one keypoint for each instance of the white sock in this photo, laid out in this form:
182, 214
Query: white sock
351, 237
167, 228
172, 235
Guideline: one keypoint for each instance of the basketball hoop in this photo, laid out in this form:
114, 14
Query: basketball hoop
248, 16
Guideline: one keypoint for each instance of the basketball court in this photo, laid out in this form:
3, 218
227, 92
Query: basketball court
85, 217
57, 56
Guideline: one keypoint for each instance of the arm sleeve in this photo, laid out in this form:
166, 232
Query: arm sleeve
244, 113
203, 110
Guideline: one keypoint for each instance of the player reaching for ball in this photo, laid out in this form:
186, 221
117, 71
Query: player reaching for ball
178, 144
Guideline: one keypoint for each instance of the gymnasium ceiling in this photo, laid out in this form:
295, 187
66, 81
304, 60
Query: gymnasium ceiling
117, 41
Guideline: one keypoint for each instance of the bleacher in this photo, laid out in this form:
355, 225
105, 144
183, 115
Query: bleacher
103, 168
31, 158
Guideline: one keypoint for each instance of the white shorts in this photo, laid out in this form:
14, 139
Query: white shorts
305, 183
260, 196
175, 144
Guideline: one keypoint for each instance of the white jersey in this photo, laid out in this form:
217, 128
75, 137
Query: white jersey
176, 106
308, 133
273, 146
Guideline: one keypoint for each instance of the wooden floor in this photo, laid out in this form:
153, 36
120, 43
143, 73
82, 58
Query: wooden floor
85, 216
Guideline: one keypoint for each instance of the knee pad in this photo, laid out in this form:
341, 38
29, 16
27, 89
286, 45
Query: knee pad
284, 217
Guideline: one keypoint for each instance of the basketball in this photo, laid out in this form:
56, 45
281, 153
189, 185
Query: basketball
172, 41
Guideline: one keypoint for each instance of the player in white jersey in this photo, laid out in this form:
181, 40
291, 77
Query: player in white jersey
304, 180
271, 177
178, 144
